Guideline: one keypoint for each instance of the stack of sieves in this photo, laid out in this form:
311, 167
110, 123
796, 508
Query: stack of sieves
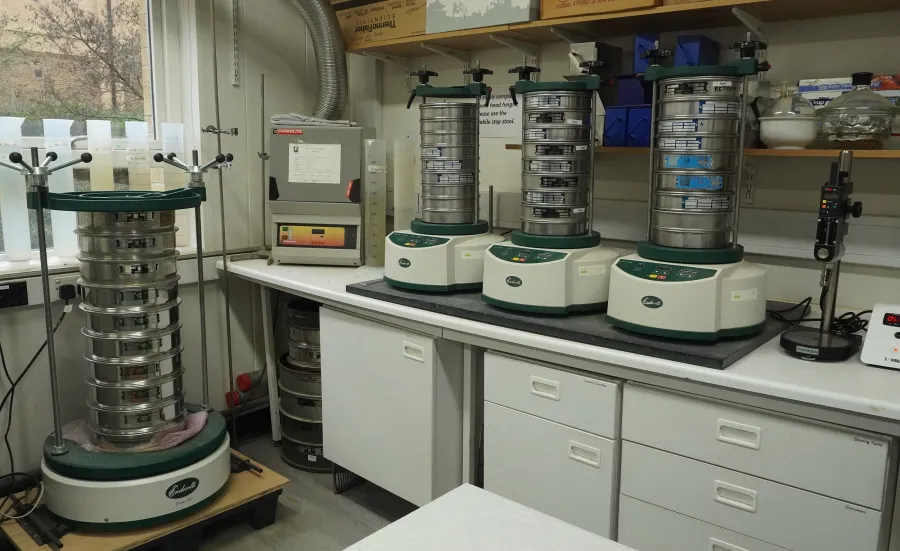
131, 323
697, 155
300, 383
557, 171
449, 136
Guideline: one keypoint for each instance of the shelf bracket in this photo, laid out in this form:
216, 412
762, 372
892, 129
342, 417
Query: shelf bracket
753, 24
402, 62
453, 53
569, 36
526, 48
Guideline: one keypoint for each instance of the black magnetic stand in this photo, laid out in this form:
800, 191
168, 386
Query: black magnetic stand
835, 208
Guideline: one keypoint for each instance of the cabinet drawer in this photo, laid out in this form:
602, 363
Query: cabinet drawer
560, 471
784, 516
583, 402
842, 463
650, 528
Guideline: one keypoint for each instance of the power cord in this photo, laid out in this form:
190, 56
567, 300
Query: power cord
847, 323
10, 395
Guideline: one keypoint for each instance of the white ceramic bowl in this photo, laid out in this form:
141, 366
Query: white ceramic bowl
788, 132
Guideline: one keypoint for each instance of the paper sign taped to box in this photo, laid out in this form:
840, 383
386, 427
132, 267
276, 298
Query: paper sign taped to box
314, 163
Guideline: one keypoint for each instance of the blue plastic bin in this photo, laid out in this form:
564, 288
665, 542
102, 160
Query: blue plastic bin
615, 127
633, 90
695, 49
643, 43
638, 134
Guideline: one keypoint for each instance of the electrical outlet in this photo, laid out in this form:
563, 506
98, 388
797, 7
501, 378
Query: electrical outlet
748, 186
57, 281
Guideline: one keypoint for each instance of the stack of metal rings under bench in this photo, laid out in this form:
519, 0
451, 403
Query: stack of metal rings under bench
555, 264
689, 280
133, 337
300, 384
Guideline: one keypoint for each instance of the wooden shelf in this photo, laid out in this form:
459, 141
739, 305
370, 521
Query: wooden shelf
793, 153
694, 15
822, 153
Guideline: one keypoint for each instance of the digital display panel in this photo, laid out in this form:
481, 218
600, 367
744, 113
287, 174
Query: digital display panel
892, 320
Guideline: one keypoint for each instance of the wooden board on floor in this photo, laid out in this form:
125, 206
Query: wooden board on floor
241, 488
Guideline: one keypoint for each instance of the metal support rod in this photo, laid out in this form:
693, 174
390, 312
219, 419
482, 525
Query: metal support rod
845, 162
831, 273
215, 62
491, 208
59, 444
477, 158
828, 304
263, 157
66, 164
593, 152
201, 299
653, 162
172, 160
736, 226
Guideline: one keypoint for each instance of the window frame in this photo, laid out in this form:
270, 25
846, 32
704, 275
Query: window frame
175, 89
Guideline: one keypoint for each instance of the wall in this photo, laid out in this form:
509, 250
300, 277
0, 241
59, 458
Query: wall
807, 49
272, 41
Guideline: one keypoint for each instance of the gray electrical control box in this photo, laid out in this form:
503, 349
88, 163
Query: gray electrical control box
316, 189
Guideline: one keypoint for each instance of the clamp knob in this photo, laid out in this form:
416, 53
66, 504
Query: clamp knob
856, 210
524, 73
478, 73
591, 67
423, 74
656, 55
748, 48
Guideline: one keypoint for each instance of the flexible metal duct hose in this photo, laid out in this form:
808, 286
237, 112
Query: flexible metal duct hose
331, 59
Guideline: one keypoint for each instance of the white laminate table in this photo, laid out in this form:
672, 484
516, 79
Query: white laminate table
472, 519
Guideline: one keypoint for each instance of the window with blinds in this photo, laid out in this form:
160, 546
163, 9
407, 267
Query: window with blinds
78, 76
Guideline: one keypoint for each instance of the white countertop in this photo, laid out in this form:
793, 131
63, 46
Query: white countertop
848, 386
471, 519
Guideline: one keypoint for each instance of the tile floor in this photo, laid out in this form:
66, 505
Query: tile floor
310, 516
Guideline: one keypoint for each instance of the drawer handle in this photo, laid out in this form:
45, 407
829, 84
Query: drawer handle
414, 351
584, 454
545, 388
734, 496
719, 545
746, 436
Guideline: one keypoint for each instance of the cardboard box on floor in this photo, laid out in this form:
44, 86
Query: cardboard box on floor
551, 9
378, 20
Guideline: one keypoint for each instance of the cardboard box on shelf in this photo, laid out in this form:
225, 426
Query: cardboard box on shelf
366, 21
551, 9
457, 15
837, 84
886, 82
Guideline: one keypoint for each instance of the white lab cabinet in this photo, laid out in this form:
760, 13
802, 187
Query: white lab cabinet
550, 440
392, 405
722, 477
552, 468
